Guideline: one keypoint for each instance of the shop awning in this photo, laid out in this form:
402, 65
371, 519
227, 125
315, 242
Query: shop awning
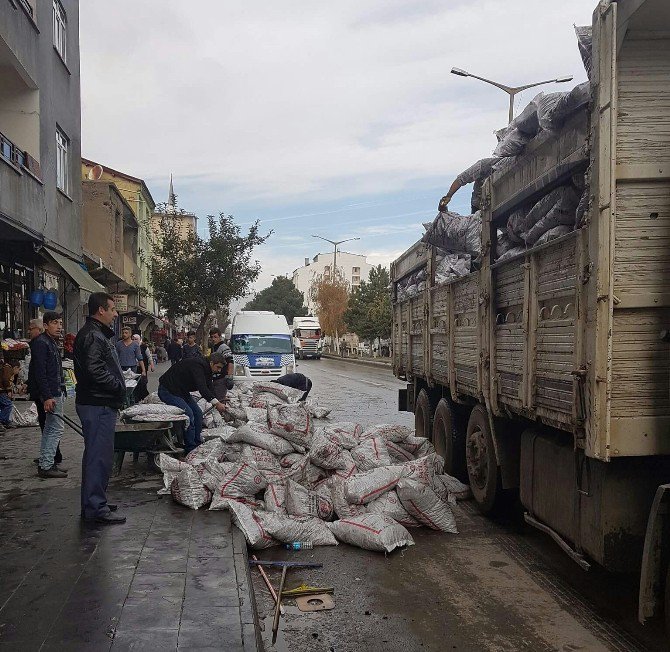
81, 278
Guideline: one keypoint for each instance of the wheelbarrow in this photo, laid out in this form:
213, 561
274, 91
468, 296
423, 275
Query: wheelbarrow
151, 437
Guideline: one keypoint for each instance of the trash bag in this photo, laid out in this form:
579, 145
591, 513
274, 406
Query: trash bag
554, 108
456, 233
512, 143
452, 266
552, 234
562, 204
585, 44
425, 506
372, 532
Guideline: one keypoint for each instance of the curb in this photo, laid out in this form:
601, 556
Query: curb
251, 632
371, 363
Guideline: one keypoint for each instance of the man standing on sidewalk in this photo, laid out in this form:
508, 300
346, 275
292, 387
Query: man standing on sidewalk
46, 387
130, 355
174, 351
100, 393
190, 349
7, 372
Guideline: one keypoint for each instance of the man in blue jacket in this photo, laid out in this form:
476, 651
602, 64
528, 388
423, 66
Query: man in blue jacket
99, 394
46, 387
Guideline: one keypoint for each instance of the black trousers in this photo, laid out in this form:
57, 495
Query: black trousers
296, 381
41, 419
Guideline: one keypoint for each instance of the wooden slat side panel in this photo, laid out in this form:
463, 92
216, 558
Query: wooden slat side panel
509, 334
641, 363
404, 330
418, 323
439, 333
642, 245
644, 100
466, 349
555, 329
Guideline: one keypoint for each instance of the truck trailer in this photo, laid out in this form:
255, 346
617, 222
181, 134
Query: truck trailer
547, 374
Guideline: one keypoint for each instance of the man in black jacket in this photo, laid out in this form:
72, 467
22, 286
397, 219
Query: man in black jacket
174, 351
100, 393
191, 375
46, 387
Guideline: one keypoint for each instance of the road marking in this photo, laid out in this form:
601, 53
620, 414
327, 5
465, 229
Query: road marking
360, 380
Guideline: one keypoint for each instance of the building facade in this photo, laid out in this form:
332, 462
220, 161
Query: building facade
40, 150
353, 268
136, 305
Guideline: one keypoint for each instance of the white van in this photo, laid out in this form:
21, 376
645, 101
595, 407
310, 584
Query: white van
262, 345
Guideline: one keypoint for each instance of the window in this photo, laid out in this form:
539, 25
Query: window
60, 33
62, 162
356, 271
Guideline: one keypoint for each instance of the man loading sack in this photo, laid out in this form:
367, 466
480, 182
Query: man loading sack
186, 376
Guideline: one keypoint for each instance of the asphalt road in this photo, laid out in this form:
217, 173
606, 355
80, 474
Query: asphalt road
497, 585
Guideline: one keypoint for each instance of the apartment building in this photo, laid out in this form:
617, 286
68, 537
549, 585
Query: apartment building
40, 190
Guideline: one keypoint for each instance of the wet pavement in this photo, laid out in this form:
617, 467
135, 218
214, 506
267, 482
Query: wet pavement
497, 585
169, 578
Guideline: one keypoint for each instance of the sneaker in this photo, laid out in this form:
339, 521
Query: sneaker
53, 472
107, 519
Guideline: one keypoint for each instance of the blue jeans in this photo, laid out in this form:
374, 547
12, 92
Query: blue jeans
98, 423
193, 412
5, 409
51, 434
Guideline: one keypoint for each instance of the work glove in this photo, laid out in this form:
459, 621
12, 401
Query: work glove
444, 202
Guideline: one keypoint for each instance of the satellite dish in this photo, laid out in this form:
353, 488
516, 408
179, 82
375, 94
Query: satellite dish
95, 173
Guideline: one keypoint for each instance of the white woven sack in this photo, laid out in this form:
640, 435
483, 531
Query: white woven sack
292, 422
263, 459
371, 453
372, 532
258, 434
171, 469
364, 487
398, 454
244, 518
187, 489
424, 469
275, 498
341, 507
326, 450
348, 433
388, 432
425, 506
300, 501
243, 479
388, 504
297, 528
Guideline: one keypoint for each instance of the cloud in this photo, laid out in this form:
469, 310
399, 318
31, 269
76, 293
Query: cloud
338, 119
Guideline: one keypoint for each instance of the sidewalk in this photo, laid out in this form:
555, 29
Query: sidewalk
169, 578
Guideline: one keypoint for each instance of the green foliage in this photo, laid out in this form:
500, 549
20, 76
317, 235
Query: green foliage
193, 275
369, 314
282, 297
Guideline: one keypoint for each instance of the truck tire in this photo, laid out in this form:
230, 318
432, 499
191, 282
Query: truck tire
482, 466
666, 615
423, 415
449, 440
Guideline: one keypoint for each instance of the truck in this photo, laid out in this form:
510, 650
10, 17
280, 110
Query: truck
261, 345
307, 340
546, 376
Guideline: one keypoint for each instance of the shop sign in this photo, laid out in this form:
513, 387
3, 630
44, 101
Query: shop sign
121, 302
129, 320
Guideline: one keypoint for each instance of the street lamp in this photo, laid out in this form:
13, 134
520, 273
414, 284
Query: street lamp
335, 243
511, 90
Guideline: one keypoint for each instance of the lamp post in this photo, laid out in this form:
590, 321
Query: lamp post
511, 90
335, 243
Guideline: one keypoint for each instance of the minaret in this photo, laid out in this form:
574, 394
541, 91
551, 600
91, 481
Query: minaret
172, 199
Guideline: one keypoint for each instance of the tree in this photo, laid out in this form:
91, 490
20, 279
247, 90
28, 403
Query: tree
331, 296
369, 314
281, 297
194, 275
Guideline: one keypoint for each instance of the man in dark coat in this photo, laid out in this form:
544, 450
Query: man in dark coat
100, 393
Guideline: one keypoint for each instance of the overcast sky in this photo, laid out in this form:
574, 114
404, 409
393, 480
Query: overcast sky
332, 118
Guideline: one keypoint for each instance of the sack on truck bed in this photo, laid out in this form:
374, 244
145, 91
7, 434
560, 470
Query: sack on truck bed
300, 501
245, 519
456, 233
287, 529
425, 506
187, 489
363, 488
372, 532
389, 504
370, 454
292, 422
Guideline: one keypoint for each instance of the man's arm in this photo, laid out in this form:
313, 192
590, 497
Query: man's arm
96, 368
140, 359
40, 352
204, 385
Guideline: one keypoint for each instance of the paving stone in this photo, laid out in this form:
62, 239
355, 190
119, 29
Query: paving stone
146, 641
157, 585
150, 613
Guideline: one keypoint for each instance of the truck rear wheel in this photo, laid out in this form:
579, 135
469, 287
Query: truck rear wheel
423, 414
449, 440
666, 615
482, 465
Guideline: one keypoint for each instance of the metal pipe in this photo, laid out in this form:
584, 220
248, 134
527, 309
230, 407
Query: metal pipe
266, 579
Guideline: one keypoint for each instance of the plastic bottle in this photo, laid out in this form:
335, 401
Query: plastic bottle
299, 545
